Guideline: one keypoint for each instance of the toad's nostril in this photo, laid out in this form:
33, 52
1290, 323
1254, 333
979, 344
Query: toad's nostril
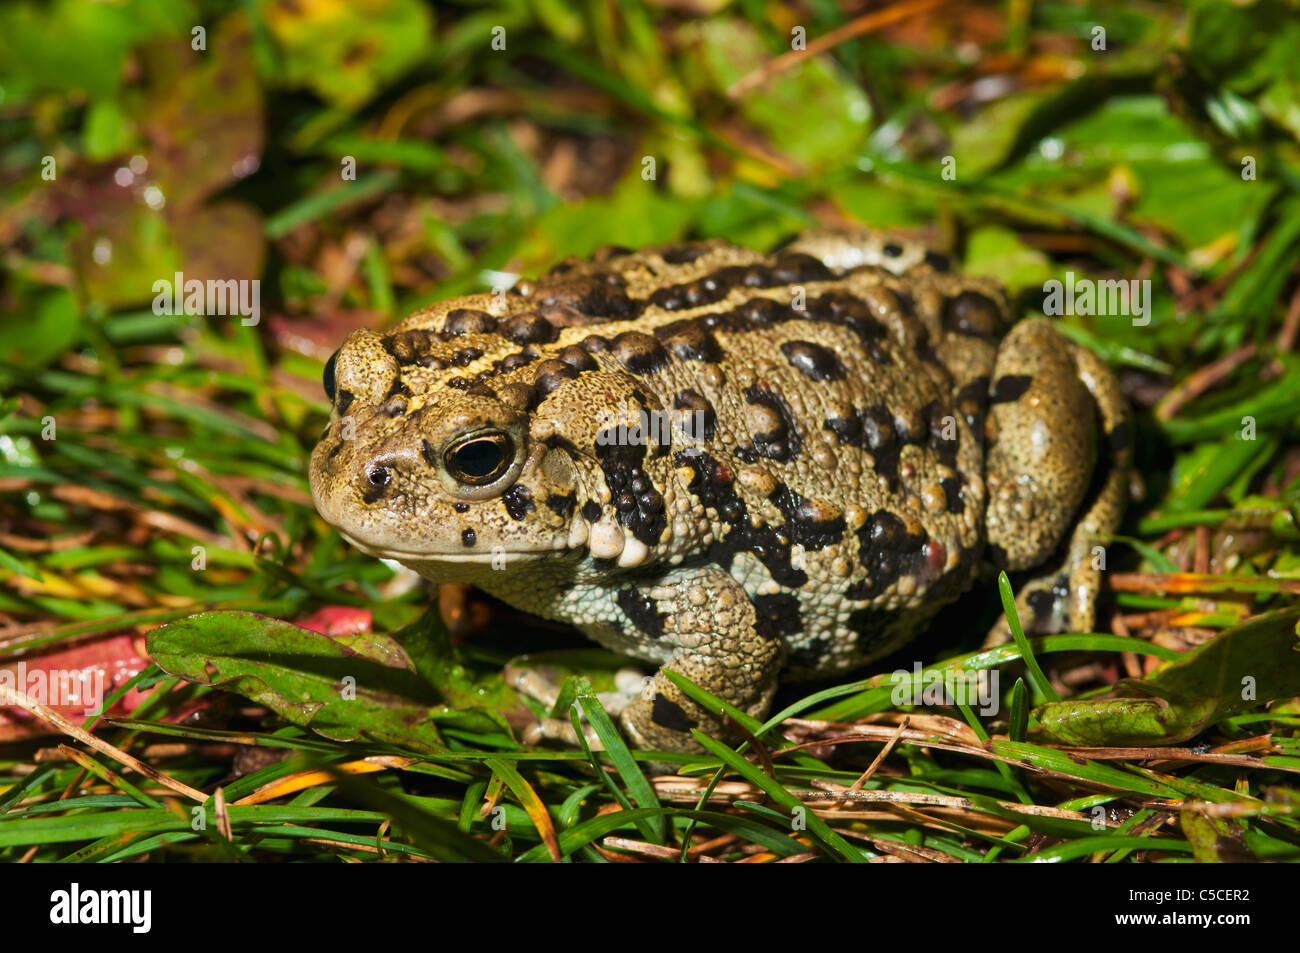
379, 473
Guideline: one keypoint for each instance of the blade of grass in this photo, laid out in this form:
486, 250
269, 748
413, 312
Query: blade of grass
777, 792
1037, 680
639, 789
531, 803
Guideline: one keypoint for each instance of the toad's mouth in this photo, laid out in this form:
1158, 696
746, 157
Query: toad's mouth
439, 556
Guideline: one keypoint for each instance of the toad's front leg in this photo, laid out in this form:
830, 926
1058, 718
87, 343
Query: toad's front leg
704, 624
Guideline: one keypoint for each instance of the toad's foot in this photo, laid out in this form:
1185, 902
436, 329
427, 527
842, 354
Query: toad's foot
629, 682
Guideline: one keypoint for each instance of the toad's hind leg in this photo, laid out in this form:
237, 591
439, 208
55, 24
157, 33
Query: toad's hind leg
1057, 468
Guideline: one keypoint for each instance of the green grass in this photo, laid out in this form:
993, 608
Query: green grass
153, 467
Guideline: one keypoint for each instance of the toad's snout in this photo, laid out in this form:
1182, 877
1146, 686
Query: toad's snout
375, 475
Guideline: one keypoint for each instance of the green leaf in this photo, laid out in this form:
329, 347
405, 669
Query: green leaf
999, 253
634, 214
1201, 474
107, 131
345, 52
483, 706
1214, 840
45, 333
72, 46
782, 106
342, 687
1239, 669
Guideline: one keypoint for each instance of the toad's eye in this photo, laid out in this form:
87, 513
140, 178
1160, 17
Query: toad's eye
479, 458
327, 379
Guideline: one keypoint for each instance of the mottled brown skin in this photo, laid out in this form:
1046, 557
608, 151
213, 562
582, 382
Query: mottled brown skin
869, 430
